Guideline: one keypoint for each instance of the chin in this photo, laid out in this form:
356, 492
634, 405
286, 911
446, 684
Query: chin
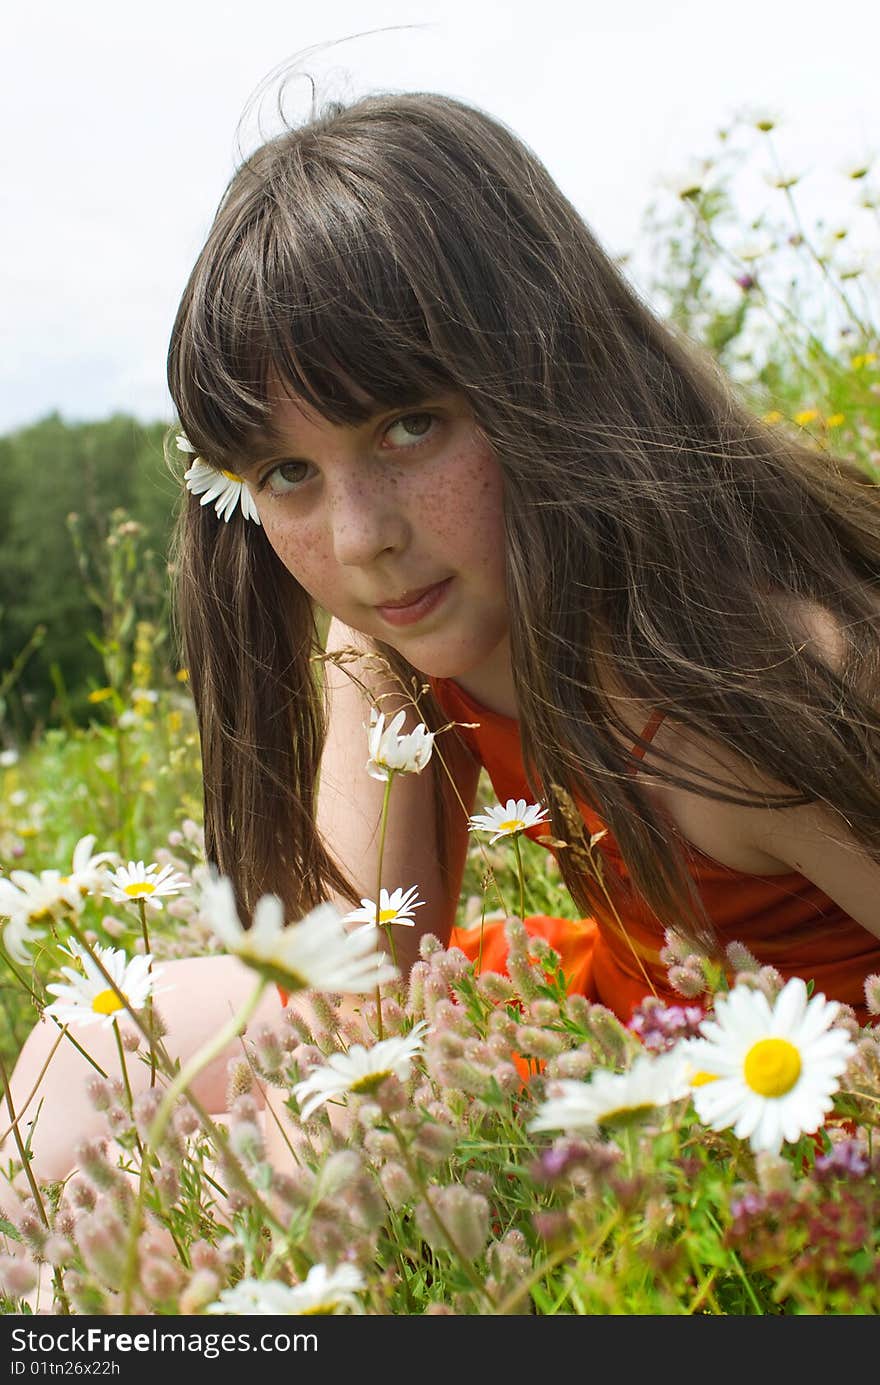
453, 659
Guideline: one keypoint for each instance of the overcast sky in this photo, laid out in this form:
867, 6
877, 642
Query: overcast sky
120, 125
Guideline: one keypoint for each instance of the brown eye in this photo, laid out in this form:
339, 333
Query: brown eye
284, 478
413, 426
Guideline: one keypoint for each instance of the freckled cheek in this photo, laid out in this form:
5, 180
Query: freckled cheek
304, 552
466, 516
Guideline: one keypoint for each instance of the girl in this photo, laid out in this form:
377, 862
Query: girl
448, 421
425, 402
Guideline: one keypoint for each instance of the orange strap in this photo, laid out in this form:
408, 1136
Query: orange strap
655, 722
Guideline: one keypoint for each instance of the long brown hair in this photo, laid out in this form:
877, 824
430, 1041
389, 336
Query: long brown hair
408, 244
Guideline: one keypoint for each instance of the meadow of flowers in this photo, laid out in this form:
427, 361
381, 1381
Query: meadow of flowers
456, 1141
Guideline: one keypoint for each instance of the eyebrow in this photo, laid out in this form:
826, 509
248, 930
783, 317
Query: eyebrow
268, 447
260, 448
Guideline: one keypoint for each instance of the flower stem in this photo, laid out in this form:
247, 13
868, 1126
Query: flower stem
124, 1067
36, 1087
179, 1084
522, 879
818, 259
22, 1152
415, 1174
382, 829
142, 910
598, 873
28, 1173
64, 1032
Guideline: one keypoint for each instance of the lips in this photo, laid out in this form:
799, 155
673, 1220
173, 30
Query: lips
415, 605
409, 598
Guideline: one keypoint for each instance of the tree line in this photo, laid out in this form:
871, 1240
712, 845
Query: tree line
85, 504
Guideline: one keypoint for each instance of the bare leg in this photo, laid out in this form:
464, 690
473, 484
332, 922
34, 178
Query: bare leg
206, 993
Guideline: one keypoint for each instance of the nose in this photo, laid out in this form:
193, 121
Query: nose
366, 520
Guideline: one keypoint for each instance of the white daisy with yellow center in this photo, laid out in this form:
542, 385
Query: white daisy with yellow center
47, 895
18, 937
615, 1099
86, 998
138, 881
360, 1070
27, 899
322, 1291
314, 954
505, 820
391, 752
225, 489
395, 907
769, 1071
88, 871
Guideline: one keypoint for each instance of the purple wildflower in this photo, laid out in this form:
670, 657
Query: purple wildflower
847, 1160
661, 1026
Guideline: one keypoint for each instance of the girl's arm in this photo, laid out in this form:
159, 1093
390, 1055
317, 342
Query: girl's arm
350, 803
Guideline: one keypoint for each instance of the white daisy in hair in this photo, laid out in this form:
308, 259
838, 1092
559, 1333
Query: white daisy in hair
769, 1071
391, 752
314, 954
395, 907
224, 489
615, 1099
505, 820
323, 1291
359, 1070
138, 881
86, 998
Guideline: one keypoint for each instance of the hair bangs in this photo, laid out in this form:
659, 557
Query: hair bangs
292, 305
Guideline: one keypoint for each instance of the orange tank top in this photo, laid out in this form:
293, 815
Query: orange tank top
784, 920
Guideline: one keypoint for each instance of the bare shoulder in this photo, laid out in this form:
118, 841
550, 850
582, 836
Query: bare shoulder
733, 834
812, 839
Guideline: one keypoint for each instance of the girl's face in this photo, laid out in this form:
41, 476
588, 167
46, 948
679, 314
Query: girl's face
368, 514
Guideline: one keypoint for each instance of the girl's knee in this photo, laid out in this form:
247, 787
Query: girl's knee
50, 1083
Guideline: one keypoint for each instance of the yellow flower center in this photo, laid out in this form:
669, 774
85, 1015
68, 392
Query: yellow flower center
511, 825
322, 1310
231, 476
274, 969
772, 1067
386, 915
106, 1003
370, 1082
138, 888
700, 1079
622, 1117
